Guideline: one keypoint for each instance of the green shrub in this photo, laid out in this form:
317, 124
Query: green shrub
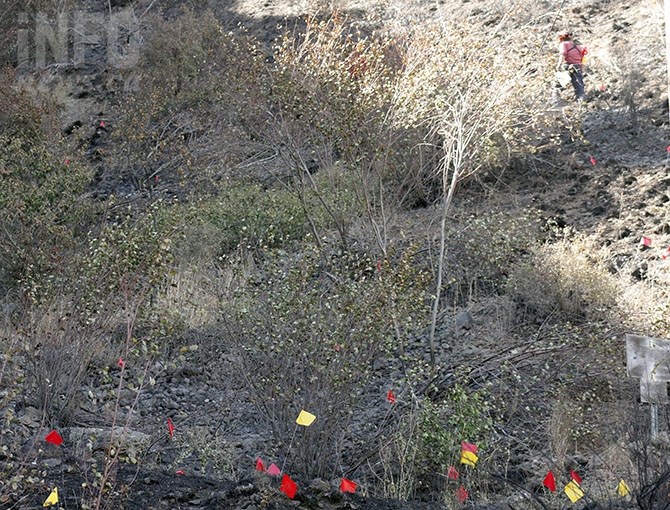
309, 331
251, 217
483, 248
44, 214
129, 258
415, 453
462, 415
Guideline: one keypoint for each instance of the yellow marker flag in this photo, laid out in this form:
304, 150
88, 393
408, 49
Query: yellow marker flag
305, 419
53, 498
469, 454
573, 491
469, 458
622, 489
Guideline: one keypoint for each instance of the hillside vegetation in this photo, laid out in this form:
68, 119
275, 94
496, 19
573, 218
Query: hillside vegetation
217, 215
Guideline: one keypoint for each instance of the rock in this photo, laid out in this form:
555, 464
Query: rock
320, 485
31, 417
52, 463
464, 320
79, 436
640, 272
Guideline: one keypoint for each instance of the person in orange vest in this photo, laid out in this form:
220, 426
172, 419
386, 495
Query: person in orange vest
571, 58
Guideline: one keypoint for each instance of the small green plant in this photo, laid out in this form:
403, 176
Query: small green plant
250, 217
462, 415
216, 457
415, 453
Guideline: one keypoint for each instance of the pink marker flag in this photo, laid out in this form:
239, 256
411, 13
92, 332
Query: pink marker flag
667, 149
666, 254
273, 470
348, 486
121, 363
288, 487
646, 241
462, 494
259, 465
452, 473
575, 477
54, 437
179, 472
593, 160
550, 482
170, 426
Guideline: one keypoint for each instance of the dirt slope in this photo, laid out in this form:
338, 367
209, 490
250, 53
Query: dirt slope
612, 181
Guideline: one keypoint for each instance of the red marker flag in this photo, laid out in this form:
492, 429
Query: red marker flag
121, 363
54, 437
348, 486
179, 472
390, 396
462, 494
550, 482
273, 470
170, 428
575, 477
666, 254
667, 149
593, 160
259, 465
288, 487
452, 473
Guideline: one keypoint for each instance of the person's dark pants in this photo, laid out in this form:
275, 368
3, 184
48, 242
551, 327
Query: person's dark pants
577, 78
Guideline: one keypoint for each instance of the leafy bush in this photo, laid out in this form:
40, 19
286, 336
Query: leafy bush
250, 217
308, 333
128, 262
19, 115
44, 215
482, 248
